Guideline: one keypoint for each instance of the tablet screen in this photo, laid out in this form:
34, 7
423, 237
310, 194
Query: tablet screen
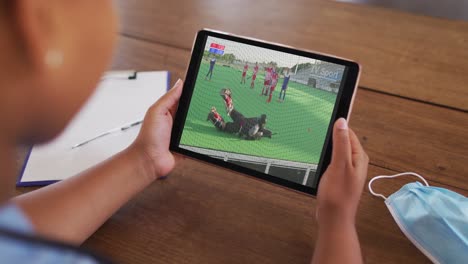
262, 109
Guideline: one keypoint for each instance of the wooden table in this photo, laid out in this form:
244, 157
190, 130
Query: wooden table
410, 114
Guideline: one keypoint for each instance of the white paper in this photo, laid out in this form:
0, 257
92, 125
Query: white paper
117, 102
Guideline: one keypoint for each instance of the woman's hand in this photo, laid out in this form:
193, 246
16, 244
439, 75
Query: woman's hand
338, 198
341, 186
155, 134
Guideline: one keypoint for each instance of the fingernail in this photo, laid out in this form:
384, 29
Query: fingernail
342, 124
178, 83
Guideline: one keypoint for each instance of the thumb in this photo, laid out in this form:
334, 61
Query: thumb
341, 145
169, 101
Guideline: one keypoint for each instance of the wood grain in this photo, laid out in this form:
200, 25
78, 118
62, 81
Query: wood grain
398, 134
205, 214
412, 56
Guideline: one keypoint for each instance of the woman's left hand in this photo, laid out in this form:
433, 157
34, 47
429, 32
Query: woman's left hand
155, 134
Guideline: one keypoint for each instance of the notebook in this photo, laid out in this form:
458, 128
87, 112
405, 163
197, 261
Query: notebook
119, 100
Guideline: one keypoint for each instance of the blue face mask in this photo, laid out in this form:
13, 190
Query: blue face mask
434, 219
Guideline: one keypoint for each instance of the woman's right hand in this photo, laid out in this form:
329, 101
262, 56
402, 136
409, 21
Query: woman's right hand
341, 185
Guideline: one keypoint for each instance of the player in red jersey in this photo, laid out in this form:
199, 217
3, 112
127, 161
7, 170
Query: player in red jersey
216, 119
274, 81
226, 95
254, 76
244, 73
216, 115
267, 82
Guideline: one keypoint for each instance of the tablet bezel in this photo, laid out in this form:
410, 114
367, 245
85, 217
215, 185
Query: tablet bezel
342, 107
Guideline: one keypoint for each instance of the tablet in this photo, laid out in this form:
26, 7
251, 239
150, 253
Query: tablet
263, 109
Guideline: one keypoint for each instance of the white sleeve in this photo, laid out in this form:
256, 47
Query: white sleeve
253, 130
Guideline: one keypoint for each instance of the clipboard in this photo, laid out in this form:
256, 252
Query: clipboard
120, 99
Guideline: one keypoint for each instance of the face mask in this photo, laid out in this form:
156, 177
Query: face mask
434, 219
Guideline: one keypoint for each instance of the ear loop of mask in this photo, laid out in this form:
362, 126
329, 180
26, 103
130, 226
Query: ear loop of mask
392, 176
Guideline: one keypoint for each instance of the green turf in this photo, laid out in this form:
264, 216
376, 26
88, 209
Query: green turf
300, 122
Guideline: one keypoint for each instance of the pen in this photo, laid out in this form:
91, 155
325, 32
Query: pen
107, 133
131, 125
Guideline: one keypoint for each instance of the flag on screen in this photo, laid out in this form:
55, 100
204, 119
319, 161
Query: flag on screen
216, 49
